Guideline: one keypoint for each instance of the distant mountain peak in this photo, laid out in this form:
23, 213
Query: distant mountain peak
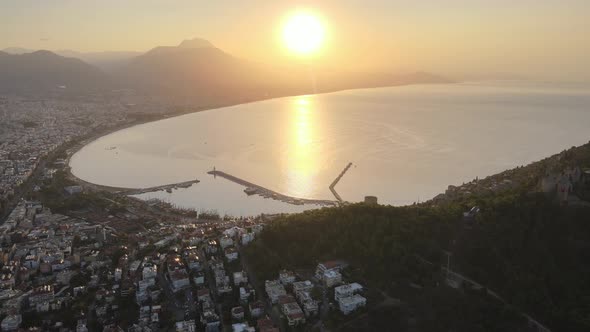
17, 50
44, 53
196, 43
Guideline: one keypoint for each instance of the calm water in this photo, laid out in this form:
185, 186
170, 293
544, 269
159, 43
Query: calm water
407, 144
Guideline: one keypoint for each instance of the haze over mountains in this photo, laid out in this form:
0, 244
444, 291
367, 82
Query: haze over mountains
44, 71
195, 71
107, 61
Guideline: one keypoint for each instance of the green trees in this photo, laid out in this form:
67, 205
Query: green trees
530, 251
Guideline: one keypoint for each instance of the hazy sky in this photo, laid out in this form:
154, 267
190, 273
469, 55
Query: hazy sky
466, 38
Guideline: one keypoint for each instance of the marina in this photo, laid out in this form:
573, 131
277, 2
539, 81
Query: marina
299, 151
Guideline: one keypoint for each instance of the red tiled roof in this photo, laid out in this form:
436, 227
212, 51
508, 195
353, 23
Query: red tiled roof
264, 323
284, 299
331, 264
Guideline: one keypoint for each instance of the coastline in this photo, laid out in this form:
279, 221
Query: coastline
197, 109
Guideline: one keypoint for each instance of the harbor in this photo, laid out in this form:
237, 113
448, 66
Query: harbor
134, 191
254, 189
335, 182
167, 187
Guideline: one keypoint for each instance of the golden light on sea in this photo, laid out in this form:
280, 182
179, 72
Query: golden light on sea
301, 158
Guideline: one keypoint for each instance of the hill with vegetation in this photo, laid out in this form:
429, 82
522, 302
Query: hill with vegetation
45, 71
523, 245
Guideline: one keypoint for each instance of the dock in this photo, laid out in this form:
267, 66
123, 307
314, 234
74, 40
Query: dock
133, 191
335, 182
254, 189
167, 187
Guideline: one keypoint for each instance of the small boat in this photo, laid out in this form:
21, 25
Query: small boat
169, 190
250, 191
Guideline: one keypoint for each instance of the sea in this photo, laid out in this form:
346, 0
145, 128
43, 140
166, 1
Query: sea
406, 144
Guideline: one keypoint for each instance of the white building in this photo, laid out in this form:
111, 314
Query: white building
118, 274
351, 303
186, 326
231, 254
149, 271
72, 190
179, 279
240, 278
274, 289
343, 291
286, 277
225, 242
247, 238
242, 327
322, 268
302, 287
332, 278
310, 306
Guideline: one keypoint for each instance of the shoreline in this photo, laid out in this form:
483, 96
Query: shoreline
197, 109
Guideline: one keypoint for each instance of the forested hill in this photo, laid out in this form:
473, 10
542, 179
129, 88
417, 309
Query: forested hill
523, 245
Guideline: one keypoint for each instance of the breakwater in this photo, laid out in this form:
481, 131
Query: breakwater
335, 182
254, 189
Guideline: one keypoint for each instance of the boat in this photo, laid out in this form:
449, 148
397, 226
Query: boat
169, 190
250, 191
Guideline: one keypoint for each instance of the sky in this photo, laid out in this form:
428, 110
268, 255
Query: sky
538, 39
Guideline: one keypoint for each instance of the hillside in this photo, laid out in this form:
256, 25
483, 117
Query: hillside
106, 61
44, 71
522, 245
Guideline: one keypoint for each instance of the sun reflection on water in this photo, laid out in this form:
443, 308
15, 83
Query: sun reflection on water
301, 159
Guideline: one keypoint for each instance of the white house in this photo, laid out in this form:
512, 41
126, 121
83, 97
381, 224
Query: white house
286, 277
274, 289
322, 268
332, 278
225, 242
343, 291
179, 279
240, 278
247, 238
149, 271
231, 254
351, 303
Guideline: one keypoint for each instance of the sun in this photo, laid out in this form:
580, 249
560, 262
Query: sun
303, 33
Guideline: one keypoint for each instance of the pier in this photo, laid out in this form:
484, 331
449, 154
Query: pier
335, 182
132, 191
167, 187
254, 189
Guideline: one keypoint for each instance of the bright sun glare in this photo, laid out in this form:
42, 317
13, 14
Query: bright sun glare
303, 33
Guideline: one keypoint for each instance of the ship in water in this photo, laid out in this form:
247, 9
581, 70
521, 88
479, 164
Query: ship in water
250, 191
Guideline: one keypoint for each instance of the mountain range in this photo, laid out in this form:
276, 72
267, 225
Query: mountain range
194, 72
44, 71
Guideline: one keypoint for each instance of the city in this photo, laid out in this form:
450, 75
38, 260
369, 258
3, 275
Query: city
288, 166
